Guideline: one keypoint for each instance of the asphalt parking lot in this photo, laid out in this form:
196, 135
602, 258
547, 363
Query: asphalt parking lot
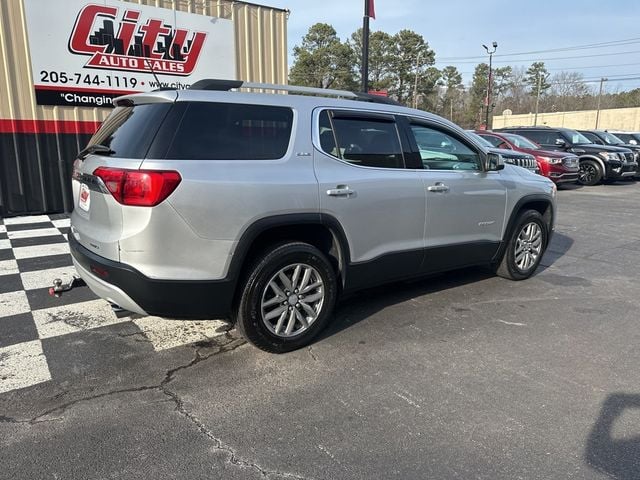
465, 375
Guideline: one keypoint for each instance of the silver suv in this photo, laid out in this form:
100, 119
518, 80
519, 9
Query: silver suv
264, 208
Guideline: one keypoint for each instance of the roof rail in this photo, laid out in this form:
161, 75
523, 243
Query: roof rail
216, 84
227, 85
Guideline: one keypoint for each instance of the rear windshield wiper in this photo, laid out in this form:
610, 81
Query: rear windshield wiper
95, 148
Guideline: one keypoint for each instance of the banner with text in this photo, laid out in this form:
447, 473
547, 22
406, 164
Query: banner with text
86, 54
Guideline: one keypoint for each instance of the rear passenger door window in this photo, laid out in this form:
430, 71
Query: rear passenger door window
440, 150
366, 140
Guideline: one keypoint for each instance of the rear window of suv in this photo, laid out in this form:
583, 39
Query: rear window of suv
226, 131
129, 131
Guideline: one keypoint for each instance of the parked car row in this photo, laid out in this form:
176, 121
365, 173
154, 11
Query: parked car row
565, 155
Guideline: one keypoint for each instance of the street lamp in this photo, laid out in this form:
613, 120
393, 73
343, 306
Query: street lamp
489, 86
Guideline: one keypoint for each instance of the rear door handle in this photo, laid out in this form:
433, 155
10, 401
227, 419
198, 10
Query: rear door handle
340, 191
438, 187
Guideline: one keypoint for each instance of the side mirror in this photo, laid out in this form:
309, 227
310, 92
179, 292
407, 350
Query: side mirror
561, 142
494, 162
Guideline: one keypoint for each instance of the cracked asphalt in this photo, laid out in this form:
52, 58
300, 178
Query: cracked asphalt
464, 375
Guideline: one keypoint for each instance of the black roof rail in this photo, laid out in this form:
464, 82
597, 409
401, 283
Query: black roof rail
369, 97
227, 85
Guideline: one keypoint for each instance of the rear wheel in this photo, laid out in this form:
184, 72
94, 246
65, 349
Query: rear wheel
590, 173
287, 298
525, 248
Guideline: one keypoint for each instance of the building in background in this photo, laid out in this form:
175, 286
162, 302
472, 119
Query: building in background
63, 61
627, 119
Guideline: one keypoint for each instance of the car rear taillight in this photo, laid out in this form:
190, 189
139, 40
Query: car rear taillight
143, 188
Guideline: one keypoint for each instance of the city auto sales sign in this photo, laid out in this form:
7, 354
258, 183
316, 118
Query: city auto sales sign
86, 54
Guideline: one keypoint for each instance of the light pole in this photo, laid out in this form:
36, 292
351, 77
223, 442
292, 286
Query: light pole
489, 86
602, 80
415, 82
535, 119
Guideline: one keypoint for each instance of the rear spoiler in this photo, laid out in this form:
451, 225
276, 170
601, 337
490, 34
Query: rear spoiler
157, 96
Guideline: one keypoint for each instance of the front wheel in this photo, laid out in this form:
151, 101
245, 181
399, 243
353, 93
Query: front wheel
590, 173
287, 298
525, 248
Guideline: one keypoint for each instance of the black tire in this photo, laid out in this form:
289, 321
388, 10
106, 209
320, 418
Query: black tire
590, 173
509, 267
256, 284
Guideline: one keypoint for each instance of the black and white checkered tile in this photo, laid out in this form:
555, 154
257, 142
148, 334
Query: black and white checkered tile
33, 252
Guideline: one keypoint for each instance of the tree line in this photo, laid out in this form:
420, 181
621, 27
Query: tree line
403, 65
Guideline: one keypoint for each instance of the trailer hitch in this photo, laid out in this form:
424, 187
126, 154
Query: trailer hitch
59, 286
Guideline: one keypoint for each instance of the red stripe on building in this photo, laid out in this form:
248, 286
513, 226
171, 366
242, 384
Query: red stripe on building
10, 125
85, 90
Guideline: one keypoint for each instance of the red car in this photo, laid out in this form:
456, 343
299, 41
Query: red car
560, 167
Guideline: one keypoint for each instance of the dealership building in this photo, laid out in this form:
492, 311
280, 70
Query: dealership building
63, 61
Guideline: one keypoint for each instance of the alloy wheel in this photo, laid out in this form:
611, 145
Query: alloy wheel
292, 300
528, 246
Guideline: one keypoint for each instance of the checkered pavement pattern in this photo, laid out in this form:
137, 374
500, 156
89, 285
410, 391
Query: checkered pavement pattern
33, 252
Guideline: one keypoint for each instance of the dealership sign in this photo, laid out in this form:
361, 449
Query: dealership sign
86, 54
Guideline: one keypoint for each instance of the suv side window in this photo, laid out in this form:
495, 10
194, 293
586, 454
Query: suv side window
496, 141
361, 139
442, 151
593, 137
540, 137
229, 131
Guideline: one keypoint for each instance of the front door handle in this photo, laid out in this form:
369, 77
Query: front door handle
438, 187
340, 191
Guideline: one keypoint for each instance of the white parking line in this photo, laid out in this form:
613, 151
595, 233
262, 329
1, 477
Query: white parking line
45, 278
22, 365
65, 222
77, 317
5, 244
3, 229
40, 250
38, 232
13, 303
30, 219
8, 267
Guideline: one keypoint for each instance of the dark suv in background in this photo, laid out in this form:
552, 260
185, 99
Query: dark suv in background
602, 137
557, 166
597, 162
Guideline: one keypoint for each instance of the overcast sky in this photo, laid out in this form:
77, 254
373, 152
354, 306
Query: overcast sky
457, 28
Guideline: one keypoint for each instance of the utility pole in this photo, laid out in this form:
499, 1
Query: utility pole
365, 44
489, 85
415, 82
535, 119
602, 80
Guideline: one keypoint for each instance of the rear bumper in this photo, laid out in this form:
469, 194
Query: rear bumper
128, 288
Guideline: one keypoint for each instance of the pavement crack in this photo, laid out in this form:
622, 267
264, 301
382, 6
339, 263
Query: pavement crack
311, 354
233, 457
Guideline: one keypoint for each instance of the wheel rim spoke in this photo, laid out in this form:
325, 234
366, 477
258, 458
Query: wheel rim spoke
278, 326
313, 286
286, 283
291, 323
275, 312
296, 275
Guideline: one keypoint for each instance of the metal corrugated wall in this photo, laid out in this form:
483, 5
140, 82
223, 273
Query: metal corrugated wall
35, 159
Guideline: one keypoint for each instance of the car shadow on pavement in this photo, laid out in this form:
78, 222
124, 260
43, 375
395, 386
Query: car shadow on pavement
616, 455
559, 246
354, 308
